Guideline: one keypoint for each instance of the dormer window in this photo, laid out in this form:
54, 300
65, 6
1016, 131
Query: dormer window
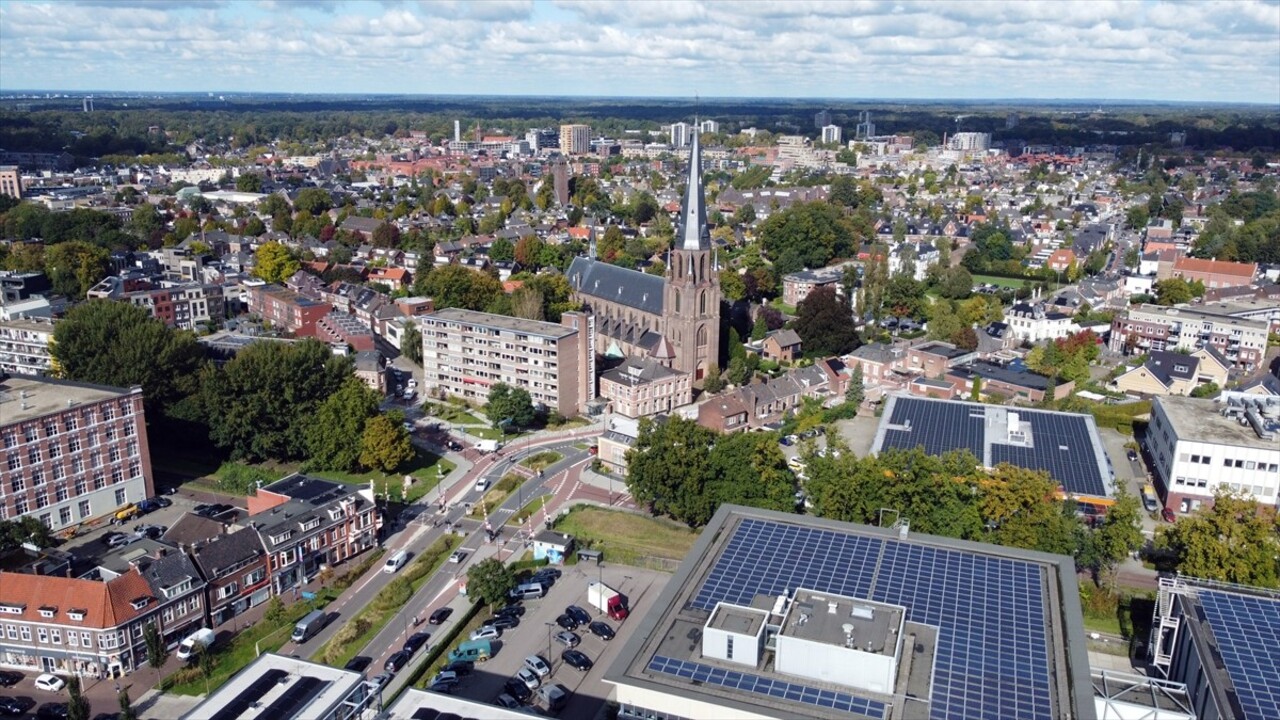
180, 587
139, 602
76, 614
309, 524
281, 537
48, 611
12, 608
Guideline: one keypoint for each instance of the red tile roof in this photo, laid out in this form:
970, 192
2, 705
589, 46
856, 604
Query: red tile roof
105, 604
1217, 267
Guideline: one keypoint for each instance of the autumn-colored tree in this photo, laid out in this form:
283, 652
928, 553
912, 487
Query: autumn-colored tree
274, 263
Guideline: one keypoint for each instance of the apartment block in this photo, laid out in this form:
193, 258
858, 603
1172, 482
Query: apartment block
286, 309
575, 139
465, 353
72, 451
10, 181
1145, 328
182, 306
24, 346
642, 386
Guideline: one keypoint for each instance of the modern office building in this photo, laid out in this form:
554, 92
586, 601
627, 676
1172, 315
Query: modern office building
1223, 642
774, 615
24, 346
72, 451
1197, 445
465, 353
1066, 445
275, 687
575, 139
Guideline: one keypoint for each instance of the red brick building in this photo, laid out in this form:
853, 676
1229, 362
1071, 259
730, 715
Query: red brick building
1215, 273
286, 309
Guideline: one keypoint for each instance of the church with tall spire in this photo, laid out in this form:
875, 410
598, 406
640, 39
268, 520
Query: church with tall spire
673, 320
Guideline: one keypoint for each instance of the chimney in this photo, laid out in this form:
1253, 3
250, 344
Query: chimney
159, 552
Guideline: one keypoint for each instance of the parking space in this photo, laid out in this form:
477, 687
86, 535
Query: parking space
88, 547
536, 636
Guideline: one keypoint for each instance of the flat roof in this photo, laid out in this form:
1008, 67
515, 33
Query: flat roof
1009, 638
501, 322
415, 704
275, 687
870, 624
1201, 420
735, 619
1243, 625
25, 397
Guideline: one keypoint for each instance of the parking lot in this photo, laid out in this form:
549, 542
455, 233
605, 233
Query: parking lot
538, 627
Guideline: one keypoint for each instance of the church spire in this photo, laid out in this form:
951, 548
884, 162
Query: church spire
693, 233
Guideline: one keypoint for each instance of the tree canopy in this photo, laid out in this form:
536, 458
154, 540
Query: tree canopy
825, 323
806, 235
458, 286
511, 405
489, 581
274, 263
385, 444
1236, 540
334, 437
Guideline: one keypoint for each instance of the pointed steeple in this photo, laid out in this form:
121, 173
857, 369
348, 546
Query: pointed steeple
693, 233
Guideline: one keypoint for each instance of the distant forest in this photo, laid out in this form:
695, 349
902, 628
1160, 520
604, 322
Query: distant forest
122, 125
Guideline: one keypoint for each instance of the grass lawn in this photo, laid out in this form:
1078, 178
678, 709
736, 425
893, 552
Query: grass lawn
532, 507
998, 281
785, 308
360, 630
542, 460
452, 413
625, 537
484, 432
425, 469
569, 424
497, 494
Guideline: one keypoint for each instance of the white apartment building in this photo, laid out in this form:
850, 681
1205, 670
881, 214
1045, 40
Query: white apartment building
465, 353
831, 133
681, 135
709, 126
1035, 322
1198, 445
970, 142
24, 346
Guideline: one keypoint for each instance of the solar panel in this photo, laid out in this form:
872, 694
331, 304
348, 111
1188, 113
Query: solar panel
1247, 629
772, 687
992, 657
298, 696
939, 427
252, 694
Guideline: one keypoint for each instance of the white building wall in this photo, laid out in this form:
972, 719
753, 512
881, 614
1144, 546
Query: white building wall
834, 664
1196, 469
679, 706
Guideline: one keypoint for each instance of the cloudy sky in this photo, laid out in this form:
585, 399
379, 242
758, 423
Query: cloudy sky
1107, 49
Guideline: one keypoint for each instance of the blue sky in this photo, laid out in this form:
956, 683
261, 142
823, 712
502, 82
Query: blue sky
1225, 51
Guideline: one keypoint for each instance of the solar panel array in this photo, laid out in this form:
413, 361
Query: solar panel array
939, 427
1247, 629
775, 688
296, 697
1063, 447
252, 694
992, 657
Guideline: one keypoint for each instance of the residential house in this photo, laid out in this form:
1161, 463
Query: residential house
1035, 322
370, 369
1215, 273
1017, 385
642, 386
287, 310
396, 278
781, 346
933, 359
796, 286
178, 587
619, 436
234, 566
1171, 373
724, 413
343, 329
361, 226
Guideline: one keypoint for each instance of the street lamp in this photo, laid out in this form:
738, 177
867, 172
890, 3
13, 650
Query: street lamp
549, 626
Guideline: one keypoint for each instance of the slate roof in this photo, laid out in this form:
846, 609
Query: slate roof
785, 337
228, 550
191, 529
638, 369
1168, 366
168, 571
635, 289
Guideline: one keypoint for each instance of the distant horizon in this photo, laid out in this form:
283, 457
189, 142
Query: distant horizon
1126, 51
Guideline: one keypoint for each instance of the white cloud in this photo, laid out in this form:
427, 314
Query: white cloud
969, 48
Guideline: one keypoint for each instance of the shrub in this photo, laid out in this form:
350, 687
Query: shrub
242, 479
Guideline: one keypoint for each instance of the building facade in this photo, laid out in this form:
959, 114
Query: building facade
73, 451
1151, 327
182, 306
10, 181
465, 353
286, 309
642, 386
24, 346
575, 139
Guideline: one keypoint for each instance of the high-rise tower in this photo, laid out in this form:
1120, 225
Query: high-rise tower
693, 285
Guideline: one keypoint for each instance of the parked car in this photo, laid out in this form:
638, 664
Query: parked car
567, 622
455, 446
601, 630
147, 506
481, 485
460, 667
577, 659
1133, 455
396, 662
506, 701
513, 610
1168, 515
358, 663
553, 696
149, 531
416, 641
126, 513
502, 622
53, 711
445, 676
50, 682
163, 502
538, 665
439, 615
577, 613
8, 678
379, 681
107, 537
119, 540
457, 556
786, 440
13, 706
488, 632
568, 639
529, 678
518, 690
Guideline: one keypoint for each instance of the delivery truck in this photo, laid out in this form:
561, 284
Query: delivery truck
487, 446
195, 643
607, 600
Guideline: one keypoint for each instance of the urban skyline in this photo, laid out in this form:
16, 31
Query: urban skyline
1145, 51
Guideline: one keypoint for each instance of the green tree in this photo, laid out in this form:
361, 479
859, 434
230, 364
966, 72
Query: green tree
955, 283
385, 444
24, 529
157, 651
732, 285
118, 344
855, 392
74, 266
512, 405
759, 328
260, 404
126, 706
249, 183
146, 220
386, 235
1206, 390
1235, 541
750, 469
806, 235
411, 344
825, 323
668, 469
334, 438
253, 227
458, 286
904, 297
1014, 505
274, 263
1173, 291
529, 252
711, 380
1118, 535
77, 705
489, 581
501, 250
313, 201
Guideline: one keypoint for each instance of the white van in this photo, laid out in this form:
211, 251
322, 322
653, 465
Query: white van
200, 639
527, 591
396, 561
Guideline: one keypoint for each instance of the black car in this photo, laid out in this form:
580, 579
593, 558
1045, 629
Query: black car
15, 705
416, 641
577, 613
577, 659
440, 615
359, 663
461, 667
518, 690
512, 610
550, 572
567, 622
162, 501
52, 711
601, 630
397, 661
8, 678
503, 622
444, 686
455, 446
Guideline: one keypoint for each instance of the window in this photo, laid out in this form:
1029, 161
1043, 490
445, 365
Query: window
55, 636
132, 448
26, 633
73, 639
1249, 465
92, 437
10, 439
34, 455
64, 516
84, 639
117, 476
42, 499
42, 634
55, 450
37, 477
84, 509
15, 462
69, 423
18, 483
20, 506
113, 455
128, 430
60, 492
135, 470
108, 412
99, 480
120, 496
11, 631
228, 590
73, 444
29, 432
59, 472
77, 465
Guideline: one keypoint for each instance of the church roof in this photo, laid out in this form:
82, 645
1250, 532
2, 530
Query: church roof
693, 233
593, 278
